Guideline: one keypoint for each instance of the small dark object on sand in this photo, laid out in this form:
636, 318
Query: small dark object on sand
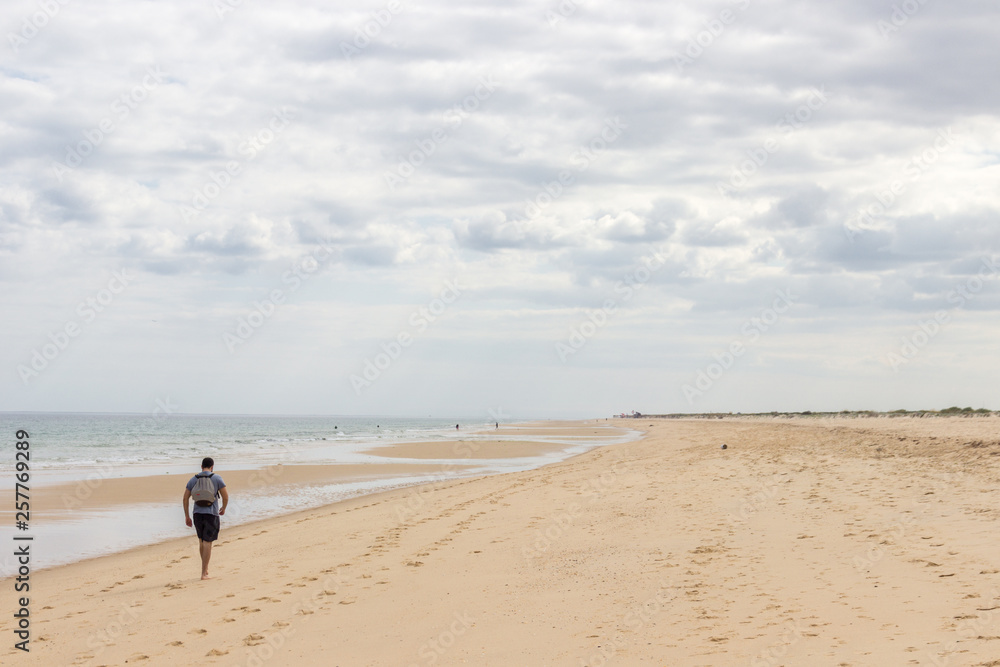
725, 446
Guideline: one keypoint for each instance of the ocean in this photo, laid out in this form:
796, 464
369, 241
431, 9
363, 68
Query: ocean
85, 449
69, 441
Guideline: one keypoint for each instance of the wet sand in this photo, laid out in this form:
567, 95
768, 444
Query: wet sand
60, 501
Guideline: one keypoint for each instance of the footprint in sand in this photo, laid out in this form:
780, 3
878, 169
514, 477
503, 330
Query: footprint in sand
199, 631
176, 643
253, 639
216, 651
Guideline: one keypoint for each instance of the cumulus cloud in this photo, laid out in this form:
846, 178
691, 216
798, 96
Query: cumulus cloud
540, 152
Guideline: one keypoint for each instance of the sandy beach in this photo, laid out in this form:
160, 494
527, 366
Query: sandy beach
842, 542
51, 501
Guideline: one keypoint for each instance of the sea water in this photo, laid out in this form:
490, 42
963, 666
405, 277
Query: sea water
86, 448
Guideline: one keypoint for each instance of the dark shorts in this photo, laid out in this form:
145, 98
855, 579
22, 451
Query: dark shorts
207, 526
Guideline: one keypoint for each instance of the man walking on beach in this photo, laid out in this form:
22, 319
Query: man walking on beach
206, 512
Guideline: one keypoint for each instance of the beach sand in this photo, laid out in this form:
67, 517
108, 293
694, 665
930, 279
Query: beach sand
466, 449
807, 542
52, 501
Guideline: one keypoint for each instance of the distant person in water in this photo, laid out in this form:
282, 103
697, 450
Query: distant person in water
456, 427
498, 424
206, 509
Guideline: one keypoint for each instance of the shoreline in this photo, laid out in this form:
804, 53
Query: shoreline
801, 543
171, 542
109, 493
71, 513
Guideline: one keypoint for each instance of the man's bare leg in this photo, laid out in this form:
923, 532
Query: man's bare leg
205, 548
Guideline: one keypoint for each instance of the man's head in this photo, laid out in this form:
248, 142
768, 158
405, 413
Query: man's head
207, 463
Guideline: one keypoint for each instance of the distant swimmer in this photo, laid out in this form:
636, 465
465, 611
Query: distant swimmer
456, 427
498, 424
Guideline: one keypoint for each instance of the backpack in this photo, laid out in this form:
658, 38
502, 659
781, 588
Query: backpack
204, 492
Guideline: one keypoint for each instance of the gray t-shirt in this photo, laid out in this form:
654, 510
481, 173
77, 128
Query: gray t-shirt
214, 507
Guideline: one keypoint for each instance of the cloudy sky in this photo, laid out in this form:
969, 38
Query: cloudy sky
524, 208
